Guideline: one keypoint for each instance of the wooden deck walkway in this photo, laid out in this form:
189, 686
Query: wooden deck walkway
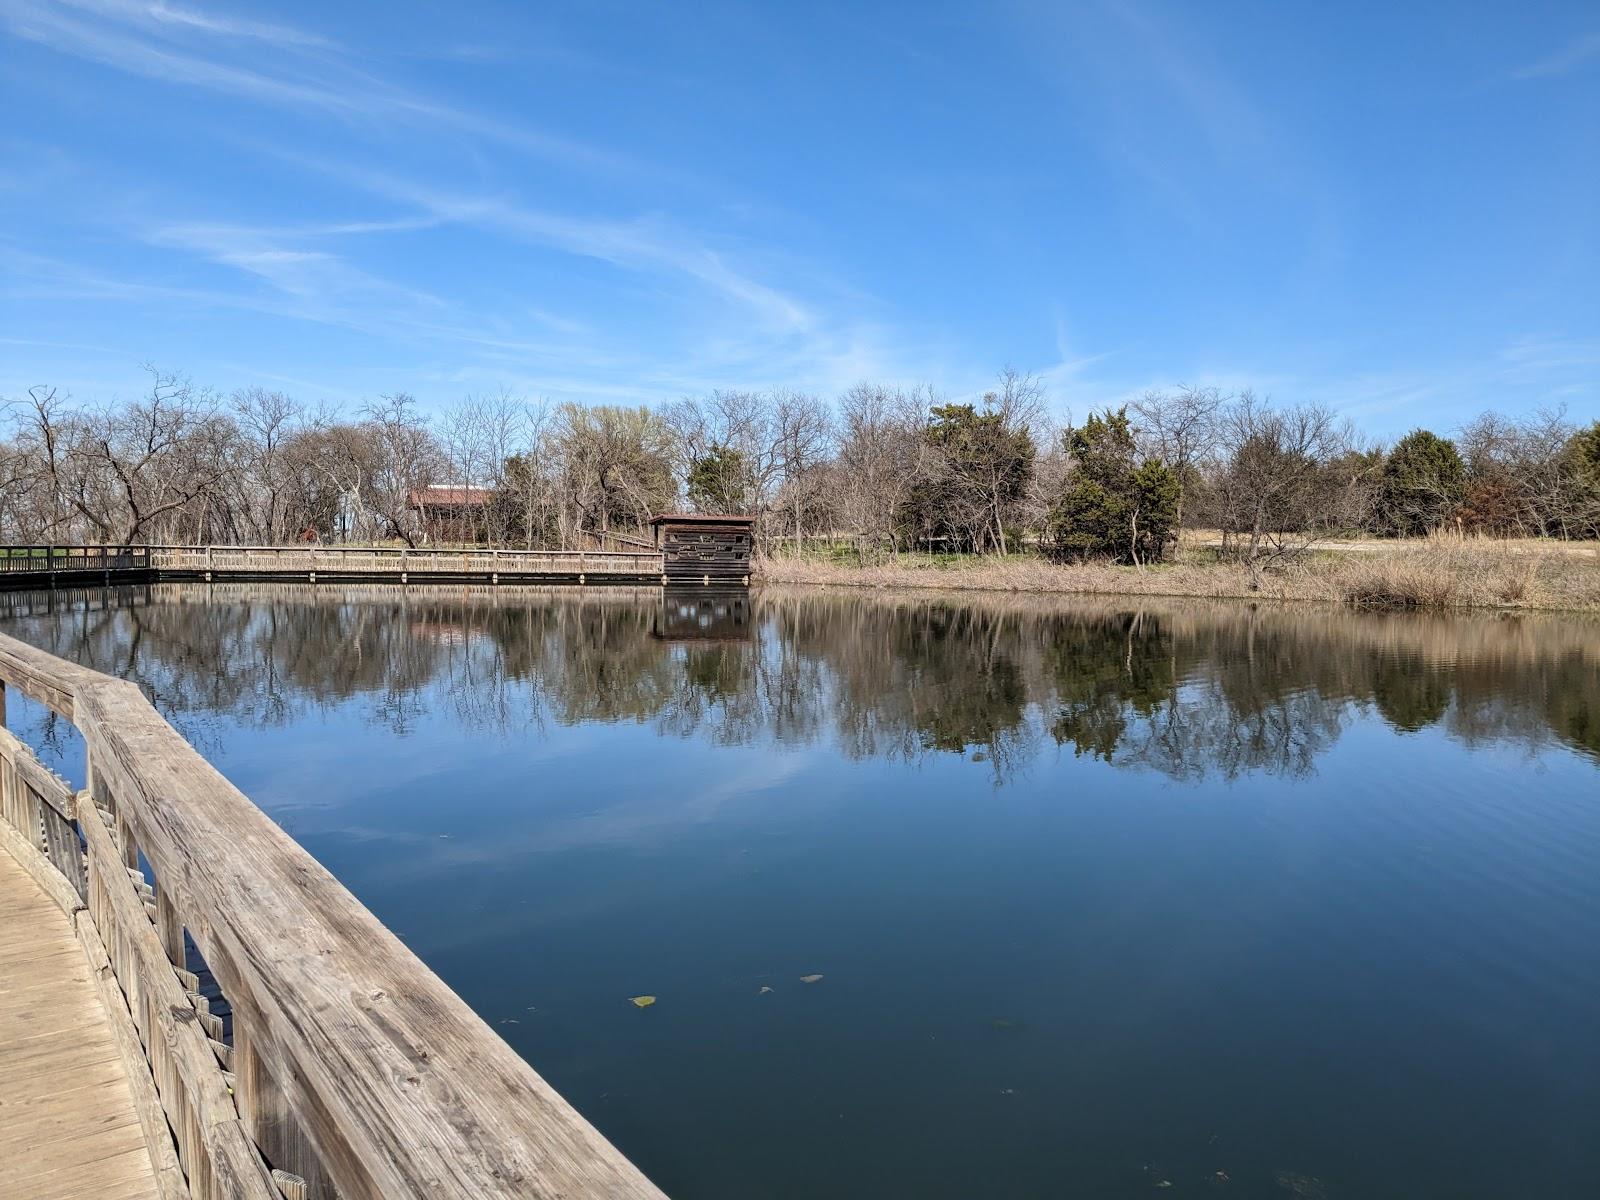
68, 1127
341, 1065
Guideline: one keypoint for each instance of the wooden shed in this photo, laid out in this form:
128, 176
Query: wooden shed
704, 548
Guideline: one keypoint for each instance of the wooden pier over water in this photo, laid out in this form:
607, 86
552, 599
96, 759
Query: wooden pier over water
690, 549
191, 1006
33, 566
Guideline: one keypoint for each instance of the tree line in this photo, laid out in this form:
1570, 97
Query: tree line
884, 470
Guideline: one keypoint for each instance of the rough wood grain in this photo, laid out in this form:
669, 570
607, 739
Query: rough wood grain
50, 882
46, 784
188, 1082
69, 1127
391, 1085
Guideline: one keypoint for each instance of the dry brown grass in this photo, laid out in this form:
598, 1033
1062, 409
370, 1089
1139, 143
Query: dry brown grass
1433, 574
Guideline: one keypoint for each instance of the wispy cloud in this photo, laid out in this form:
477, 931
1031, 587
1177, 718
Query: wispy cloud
160, 16
315, 275
716, 307
1579, 52
302, 71
642, 244
648, 244
1539, 356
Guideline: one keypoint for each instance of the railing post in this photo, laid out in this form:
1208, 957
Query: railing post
269, 1118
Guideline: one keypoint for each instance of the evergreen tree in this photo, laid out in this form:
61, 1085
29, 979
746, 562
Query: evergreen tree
1422, 486
1112, 504
978, 471
1584, 449
719, 481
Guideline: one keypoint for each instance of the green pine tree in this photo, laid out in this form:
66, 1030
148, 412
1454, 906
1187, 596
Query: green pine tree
1422, 485
1112, 504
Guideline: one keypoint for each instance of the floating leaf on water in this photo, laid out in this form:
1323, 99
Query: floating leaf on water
643, 1001
764, 990
811, 979
1002, 1025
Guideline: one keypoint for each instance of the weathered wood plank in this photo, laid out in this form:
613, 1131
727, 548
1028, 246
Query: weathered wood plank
56, 886
62, 848
187, 1081
32, 1174
46, 784
68, 1126
101, 1179
266, 1112
377, 562
40, 676
169, 1179
399, 1086
387, 1081
91, 1070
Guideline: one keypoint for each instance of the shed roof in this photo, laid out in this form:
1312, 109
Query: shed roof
703, 519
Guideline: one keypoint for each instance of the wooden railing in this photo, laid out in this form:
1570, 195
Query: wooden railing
73, 558
345, 1067
333, 562
354, 560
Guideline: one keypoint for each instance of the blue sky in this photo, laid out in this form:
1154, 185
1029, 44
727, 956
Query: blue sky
1394, 208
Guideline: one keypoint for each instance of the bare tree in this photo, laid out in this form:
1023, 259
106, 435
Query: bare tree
880, 443
616, 466
889, 467
405, 459
1275, 491
1179, 428
801, 427
268, 421
128, 470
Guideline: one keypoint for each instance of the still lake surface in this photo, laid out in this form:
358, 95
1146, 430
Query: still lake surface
1105, 896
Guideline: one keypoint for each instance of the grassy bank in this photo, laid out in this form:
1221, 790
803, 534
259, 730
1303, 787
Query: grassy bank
1434, 574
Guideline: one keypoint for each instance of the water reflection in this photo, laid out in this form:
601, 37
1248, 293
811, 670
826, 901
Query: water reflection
1190, 690
1289, 894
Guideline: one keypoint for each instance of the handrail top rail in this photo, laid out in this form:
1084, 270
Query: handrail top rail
322, 548
315, 547
402, 1088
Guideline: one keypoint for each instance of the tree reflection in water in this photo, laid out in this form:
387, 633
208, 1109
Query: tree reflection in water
1188, 689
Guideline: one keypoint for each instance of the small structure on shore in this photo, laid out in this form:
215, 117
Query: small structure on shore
704, 548
451, 512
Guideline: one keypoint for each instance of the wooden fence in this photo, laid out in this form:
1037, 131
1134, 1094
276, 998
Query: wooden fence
352, 561
345, 1067
30, 564
70, 559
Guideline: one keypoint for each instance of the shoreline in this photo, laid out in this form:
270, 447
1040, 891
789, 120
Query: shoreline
1429, 576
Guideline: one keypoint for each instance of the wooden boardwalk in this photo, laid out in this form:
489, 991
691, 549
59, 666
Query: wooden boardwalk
318, 1059
68, 1127
50, 566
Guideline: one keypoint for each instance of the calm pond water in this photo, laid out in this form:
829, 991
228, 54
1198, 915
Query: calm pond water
1104, 896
